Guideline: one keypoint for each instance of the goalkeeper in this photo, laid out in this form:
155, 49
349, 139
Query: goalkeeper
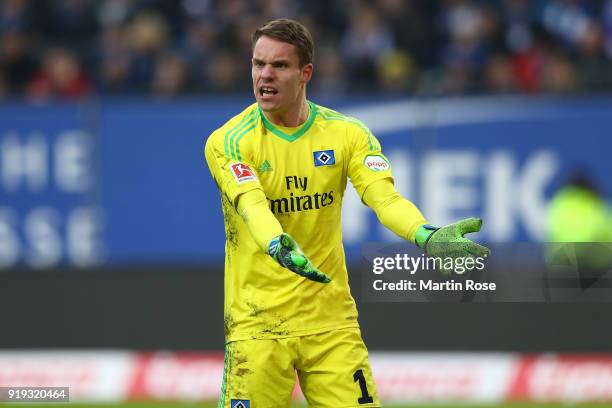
282, 166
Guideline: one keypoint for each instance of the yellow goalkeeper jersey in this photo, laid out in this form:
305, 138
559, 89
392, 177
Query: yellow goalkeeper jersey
303, 172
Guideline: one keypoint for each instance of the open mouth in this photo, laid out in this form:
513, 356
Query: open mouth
267, 90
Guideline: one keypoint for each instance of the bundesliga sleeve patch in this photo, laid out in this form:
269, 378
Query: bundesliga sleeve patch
242, 173
376, 163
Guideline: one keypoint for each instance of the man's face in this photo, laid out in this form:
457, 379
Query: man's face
278, 80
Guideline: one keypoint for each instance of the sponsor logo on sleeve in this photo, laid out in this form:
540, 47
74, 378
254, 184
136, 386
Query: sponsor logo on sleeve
242, 173
376, 163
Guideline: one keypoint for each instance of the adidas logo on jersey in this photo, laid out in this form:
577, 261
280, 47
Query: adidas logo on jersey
265, 166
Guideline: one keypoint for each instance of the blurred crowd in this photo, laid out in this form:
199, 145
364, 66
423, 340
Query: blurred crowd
165, 48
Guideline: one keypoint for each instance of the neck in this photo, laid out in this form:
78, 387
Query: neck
291, 118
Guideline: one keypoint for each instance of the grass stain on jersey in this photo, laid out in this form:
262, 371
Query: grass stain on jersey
240, 358
229, 213
241, 372
239, 361
228, 323
275, 327
255, 309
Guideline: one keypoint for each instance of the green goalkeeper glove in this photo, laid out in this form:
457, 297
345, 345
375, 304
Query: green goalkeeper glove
449, 241
288, 254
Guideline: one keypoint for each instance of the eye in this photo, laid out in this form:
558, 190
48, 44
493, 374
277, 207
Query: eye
281, 65
258, 64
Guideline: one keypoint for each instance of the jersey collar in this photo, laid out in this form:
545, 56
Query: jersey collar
290, 137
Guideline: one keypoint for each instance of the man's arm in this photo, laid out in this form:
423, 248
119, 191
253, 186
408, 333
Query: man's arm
247, 196
370, 173
404, 218
270, 238
394, 211
263, 225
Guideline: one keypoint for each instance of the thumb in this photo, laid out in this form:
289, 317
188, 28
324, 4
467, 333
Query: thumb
469, 225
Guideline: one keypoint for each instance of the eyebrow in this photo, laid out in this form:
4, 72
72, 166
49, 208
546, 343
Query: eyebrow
278, 61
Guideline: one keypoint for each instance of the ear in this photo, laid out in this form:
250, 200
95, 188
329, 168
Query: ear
307, 72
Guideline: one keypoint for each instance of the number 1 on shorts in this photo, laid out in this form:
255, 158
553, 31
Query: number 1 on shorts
365, 397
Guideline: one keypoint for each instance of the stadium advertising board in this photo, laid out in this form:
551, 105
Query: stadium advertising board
401, 378
125, 181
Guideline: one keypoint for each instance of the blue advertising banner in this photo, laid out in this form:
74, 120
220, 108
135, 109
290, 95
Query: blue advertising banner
125, 181
49, 211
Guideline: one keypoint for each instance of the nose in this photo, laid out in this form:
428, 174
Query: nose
267, 72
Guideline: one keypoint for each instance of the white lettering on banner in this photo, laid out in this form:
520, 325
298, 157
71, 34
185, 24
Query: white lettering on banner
499, 213
448, 180
512, 195
37, 172
401, 378
570, 380
43, 228
460, 183
404, 378
84, 236
73, 161
10, 247
25, 162
181, 377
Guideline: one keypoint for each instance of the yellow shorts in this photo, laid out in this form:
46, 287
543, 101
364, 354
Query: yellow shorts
332, 367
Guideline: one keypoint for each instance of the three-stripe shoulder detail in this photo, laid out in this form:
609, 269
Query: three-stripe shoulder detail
237, 132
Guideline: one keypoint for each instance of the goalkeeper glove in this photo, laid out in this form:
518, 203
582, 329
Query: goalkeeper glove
288, 254
449, 241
